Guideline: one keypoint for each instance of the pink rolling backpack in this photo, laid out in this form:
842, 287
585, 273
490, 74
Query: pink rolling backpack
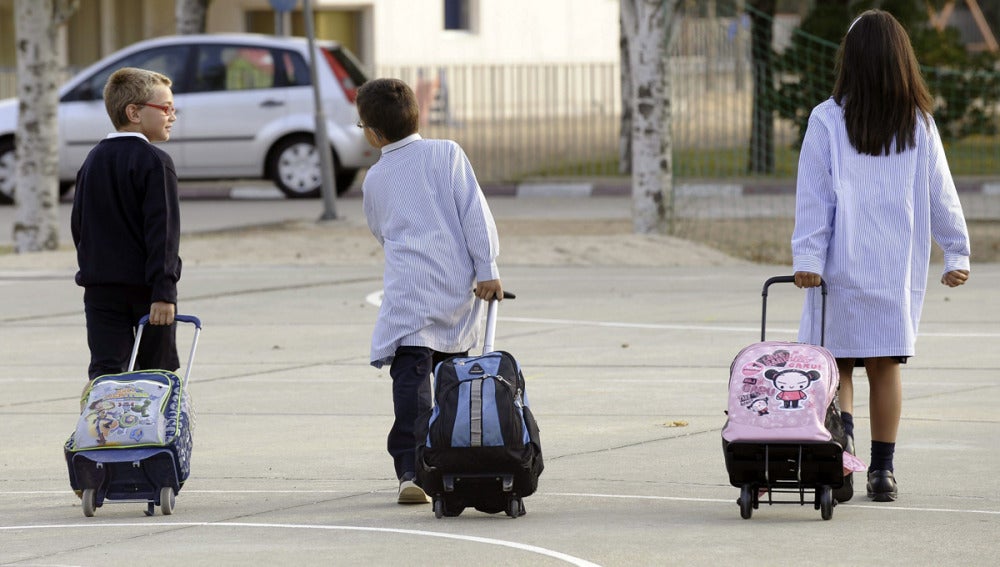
780, 391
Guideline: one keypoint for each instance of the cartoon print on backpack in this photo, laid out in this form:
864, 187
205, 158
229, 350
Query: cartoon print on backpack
791, 383
758, 404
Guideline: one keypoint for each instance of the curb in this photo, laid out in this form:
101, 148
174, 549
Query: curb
568, 189
574, 190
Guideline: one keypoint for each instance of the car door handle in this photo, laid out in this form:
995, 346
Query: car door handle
271, 102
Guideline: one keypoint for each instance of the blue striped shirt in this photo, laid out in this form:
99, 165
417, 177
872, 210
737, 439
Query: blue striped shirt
425, 207
865, 224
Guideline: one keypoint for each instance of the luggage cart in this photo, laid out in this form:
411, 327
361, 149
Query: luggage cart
812, 470
152, 475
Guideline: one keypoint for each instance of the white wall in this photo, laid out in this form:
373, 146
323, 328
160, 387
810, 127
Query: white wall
411, 32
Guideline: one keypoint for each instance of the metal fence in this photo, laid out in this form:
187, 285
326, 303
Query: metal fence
8, 82
523, 121
518, 121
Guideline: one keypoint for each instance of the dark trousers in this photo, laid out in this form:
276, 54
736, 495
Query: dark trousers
113, 314
411, 397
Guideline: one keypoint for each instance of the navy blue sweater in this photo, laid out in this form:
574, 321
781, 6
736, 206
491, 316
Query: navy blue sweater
126, 218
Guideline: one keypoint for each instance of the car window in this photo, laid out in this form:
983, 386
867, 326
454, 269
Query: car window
293, 71
168, 60
235, 68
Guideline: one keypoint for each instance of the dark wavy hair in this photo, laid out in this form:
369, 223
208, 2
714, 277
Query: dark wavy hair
879, 85
389, 108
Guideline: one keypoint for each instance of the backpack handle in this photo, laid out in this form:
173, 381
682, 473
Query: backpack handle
491, 321
791, 279
194, 342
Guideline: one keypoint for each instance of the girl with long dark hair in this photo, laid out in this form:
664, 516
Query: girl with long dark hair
873, 190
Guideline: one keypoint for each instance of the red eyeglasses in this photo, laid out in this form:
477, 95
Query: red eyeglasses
167, 110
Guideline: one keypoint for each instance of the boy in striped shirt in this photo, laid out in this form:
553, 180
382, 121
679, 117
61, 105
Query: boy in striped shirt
425, 207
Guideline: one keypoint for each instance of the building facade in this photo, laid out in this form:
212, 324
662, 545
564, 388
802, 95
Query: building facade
379, 32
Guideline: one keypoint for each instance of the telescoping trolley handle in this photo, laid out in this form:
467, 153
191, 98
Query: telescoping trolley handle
194, 342
491, 322
791, 279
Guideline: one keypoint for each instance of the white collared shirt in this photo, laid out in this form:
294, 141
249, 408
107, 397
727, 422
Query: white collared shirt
425, 207
124, 134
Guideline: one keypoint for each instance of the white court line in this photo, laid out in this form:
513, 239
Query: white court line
711, 328
730, 501
475, 539
660, 326
375, 298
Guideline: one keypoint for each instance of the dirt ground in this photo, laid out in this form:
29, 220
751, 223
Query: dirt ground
768, 241
524, 242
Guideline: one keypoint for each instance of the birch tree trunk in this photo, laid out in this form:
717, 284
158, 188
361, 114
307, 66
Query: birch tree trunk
36, 222
625, 127
190, 15
647, 24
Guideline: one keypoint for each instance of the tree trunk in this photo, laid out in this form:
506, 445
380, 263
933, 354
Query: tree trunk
647, 24
762, 69
36, 223
625, 132
190, 16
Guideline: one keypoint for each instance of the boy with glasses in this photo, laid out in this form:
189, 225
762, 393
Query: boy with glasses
126, 228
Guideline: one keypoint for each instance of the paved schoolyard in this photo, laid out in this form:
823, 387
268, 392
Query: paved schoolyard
627, 371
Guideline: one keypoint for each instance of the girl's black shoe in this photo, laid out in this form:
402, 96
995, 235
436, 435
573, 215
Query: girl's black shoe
882, 486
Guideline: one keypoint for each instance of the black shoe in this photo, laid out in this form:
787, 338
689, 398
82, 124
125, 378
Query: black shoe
846, 492
882, 486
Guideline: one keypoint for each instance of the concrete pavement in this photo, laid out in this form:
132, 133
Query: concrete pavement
627, 372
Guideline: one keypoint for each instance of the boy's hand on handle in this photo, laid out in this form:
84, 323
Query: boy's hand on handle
162, 313
807, 279
488, 290
955, 278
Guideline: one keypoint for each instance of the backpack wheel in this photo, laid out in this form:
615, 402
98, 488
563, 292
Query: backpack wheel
167, 500
438, 508
515, 507
826, 503
746, 501
89, 502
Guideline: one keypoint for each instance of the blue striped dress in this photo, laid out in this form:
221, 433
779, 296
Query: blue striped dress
425, 207
865, 224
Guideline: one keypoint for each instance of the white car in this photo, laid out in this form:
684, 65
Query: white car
244, 110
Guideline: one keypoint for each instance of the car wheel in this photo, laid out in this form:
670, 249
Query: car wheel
295, 168
8, 172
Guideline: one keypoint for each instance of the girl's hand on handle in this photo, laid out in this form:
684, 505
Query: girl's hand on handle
955, 278
807, 279
488, 290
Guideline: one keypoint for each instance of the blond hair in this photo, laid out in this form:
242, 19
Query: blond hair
130, 85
